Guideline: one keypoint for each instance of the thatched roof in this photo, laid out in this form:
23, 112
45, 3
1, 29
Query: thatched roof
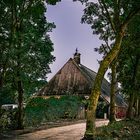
105, 88
75, 78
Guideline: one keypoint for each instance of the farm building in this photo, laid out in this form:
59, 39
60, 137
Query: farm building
76, 79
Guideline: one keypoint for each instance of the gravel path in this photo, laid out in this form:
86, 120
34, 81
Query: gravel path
70, 132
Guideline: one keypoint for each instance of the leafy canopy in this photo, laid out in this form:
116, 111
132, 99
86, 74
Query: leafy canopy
25, 45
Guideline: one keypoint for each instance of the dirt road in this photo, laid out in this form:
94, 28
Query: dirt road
70, 132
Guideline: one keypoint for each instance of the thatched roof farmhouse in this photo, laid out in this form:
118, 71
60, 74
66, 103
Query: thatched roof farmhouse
76, 79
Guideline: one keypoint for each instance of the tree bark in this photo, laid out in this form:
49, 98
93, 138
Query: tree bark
130, 110
136, 106
93, 100
112, 94
139, 107
20, 97
16, 41
19, 81
129, 113
1, 86
20, 106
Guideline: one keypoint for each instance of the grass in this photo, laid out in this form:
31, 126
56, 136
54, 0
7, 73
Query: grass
121, 130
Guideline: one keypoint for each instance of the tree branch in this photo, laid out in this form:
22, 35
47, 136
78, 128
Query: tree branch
130, 16
117, 14
104, 49
107, 45
108, 15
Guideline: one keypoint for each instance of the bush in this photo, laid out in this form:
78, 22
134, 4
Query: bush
40, 110
8, 119
120, 130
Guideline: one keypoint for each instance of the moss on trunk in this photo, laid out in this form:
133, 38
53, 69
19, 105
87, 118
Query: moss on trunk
93, 100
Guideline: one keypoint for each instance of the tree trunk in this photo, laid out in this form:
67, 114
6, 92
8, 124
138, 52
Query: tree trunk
136, 106
16, 40
19, 81
1, 82
1, 90
112, 94
93, 100
139, 107
20, 103
1, 85
130, 110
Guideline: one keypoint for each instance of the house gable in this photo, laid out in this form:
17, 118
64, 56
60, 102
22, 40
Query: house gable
68, 80
76, 79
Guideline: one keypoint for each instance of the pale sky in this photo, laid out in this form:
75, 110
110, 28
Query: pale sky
70, 34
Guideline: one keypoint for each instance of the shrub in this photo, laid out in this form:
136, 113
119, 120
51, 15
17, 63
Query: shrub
8, 119
39, 110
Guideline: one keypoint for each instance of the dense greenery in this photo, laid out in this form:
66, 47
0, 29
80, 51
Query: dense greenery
129, 67
109, 19
25, 50
122, 130
40, 110
8, 120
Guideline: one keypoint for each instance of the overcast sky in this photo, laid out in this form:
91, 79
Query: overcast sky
70, 34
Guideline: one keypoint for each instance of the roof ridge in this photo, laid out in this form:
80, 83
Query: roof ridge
78, 66
89, 69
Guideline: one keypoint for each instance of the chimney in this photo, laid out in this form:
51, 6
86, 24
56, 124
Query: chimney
77, 56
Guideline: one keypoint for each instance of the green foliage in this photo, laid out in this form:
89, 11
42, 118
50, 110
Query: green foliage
40, 110
52, 2
108, 19
8, 119
106, 16
25, 48
7, 96
124, 130
25, 45
129, 59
